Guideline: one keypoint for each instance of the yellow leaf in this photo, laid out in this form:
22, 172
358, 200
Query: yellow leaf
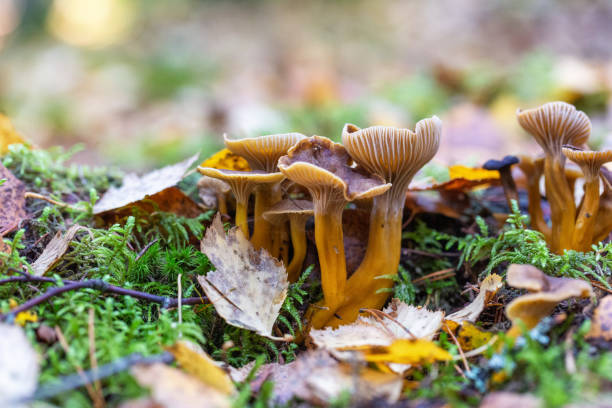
404, 351
8, 134
470, 173
200, 365
226, 160
471, 336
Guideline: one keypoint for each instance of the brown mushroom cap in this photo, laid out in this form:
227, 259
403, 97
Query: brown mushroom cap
391, 153
242, 183
263, 152
589, 161
546, 293
213, 184
282, 210
555, 124
327, 171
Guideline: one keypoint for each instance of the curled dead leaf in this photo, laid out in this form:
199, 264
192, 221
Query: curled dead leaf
54, 251
153, 191
249, 286
488, 288
601, 325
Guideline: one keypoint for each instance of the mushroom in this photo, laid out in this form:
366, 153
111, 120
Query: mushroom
553, 125
327, 171
504, 166
297, 212
603, 226
262, 153
546, 292
394, 155
590, 162
242, 184
533, 170
212, 193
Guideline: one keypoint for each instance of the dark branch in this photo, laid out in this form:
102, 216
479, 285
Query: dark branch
97, 284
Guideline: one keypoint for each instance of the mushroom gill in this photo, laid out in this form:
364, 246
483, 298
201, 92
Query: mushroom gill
327, 171
262, 153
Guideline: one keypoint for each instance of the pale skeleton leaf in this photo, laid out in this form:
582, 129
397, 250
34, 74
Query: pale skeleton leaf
18, 366
488, 288
249, 286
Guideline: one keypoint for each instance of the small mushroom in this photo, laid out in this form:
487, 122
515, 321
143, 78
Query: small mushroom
590, 162
262, 153
212, 193
533, 170
242, 184
546, 292
394, 155
327, 171
553, 125
504, 167
603, 226
297, 212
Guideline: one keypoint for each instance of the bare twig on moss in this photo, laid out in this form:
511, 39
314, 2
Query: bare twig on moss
97, 284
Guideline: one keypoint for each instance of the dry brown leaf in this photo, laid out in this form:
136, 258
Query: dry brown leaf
8, 134
419, 204
155, 190
54, 251
172, 388
18, 366
601, 325
249, 286
318, 378
12, 201
488, 288
199, 364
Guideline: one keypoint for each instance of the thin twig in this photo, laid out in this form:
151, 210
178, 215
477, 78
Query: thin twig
30, 194
81, 374
465, 363
442, 274
98, 284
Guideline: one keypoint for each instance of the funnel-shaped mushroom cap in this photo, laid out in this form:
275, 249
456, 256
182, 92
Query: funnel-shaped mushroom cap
262, 153
555, 124
325, 169
242, 183
391, 153
547, 293
282, 210
589, 161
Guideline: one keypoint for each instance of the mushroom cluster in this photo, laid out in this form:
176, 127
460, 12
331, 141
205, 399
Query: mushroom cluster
562, 132
373, 165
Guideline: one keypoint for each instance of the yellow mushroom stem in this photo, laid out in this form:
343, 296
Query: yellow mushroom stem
603, 226
533, 174
298, 240
265, 234
585, 222
242, 217
221, 203
283, 240
330, 248
562, 207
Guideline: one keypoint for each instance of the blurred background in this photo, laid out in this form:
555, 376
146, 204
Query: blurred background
142, 83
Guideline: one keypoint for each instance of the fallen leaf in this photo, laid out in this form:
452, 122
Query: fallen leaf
488, 288
197, 363
18, 366
12, 201
8, 134
471, 337
23, 317
504, 399
420, 203
601, 325
318, 378
397, 321
403, 322
404, 351
249, 286
472, 173
151, 192
54, 251
172, 388
224, 159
